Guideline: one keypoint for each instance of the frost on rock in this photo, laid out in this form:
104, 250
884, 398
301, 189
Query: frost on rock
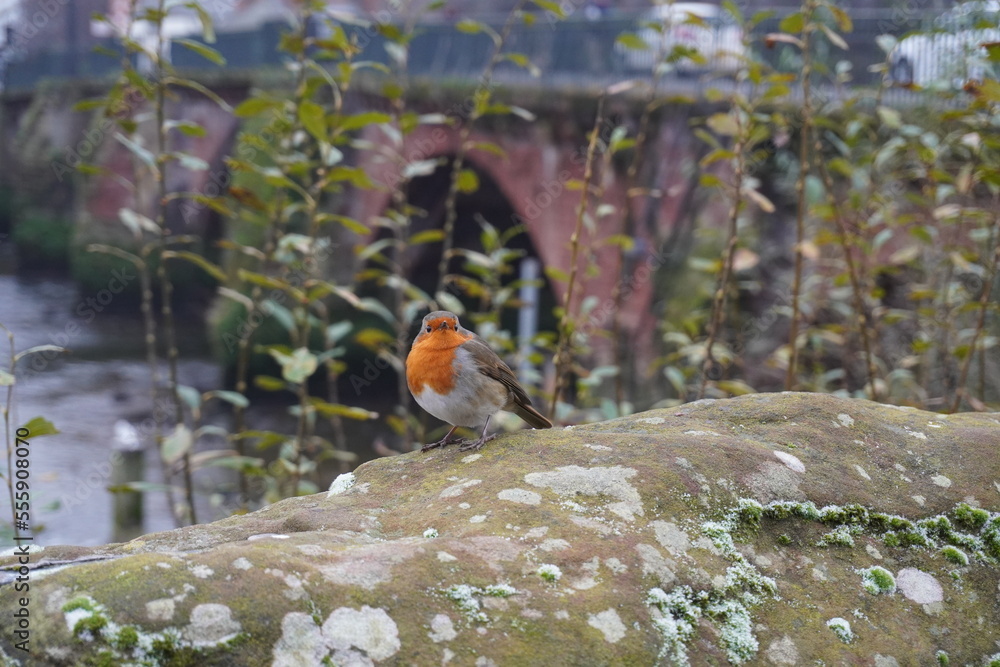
877, 580
736, 630
955, 555
677, 622
840, 536
464, 597
841, 628
341, 484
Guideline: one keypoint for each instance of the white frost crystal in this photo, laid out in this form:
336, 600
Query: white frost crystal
841, 628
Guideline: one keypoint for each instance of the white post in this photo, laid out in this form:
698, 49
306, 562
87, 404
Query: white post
527, 317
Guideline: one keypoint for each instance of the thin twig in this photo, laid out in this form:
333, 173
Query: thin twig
563, 355
845, 238
732, 235
450, 203
809, 10
984, 303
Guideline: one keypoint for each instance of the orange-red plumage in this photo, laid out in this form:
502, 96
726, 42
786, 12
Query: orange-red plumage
431, 359
457, 378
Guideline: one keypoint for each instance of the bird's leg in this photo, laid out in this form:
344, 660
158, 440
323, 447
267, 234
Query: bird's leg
476, 444
446, 440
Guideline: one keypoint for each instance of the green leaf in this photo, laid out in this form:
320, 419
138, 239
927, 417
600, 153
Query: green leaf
427, 236
6, 379
449, 302
139, 487
373, 305
188, 161
233, 397
137, 222
313, 119
891, 118
242, 463
39, 426
467, 181
298, 366
834, 38
360, 120
632, 41
338, 330
185, 127
203, 50
271, 283
117, 252
522, 60
793, 23
190, 396
283, 316
338, 410
844, 22
268, 383
735, 387
552, 7
523, 113
207, 29
36, 349
255, 106
144, 155
177, 444
487, 147
556, 274
469, 26
211, 269
723, 123
194, 85
88, 105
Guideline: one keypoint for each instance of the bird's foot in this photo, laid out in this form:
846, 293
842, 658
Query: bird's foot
475, 444
441, 443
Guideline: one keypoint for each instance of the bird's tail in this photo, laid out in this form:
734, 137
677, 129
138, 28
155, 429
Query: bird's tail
534, 418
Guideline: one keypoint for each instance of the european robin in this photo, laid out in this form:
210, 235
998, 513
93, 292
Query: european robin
459, 379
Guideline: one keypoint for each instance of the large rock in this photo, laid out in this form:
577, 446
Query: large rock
776, 529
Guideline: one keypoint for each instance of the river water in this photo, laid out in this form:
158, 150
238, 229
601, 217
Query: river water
102, 382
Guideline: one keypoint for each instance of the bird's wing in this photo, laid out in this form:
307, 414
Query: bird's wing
493, 366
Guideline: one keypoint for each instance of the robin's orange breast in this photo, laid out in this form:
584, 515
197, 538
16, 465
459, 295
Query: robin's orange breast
429, 367
431, 362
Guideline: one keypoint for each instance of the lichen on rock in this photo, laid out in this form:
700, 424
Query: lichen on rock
687, 540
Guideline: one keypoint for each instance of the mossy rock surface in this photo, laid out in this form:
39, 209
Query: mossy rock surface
732, 531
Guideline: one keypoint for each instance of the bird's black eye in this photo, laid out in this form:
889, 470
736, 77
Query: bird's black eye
428, 328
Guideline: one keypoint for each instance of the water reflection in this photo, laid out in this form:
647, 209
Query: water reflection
104, 379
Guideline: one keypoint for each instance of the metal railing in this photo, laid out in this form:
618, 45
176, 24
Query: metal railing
572, 53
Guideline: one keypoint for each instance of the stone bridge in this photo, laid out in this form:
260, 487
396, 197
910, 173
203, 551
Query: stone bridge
529, 185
